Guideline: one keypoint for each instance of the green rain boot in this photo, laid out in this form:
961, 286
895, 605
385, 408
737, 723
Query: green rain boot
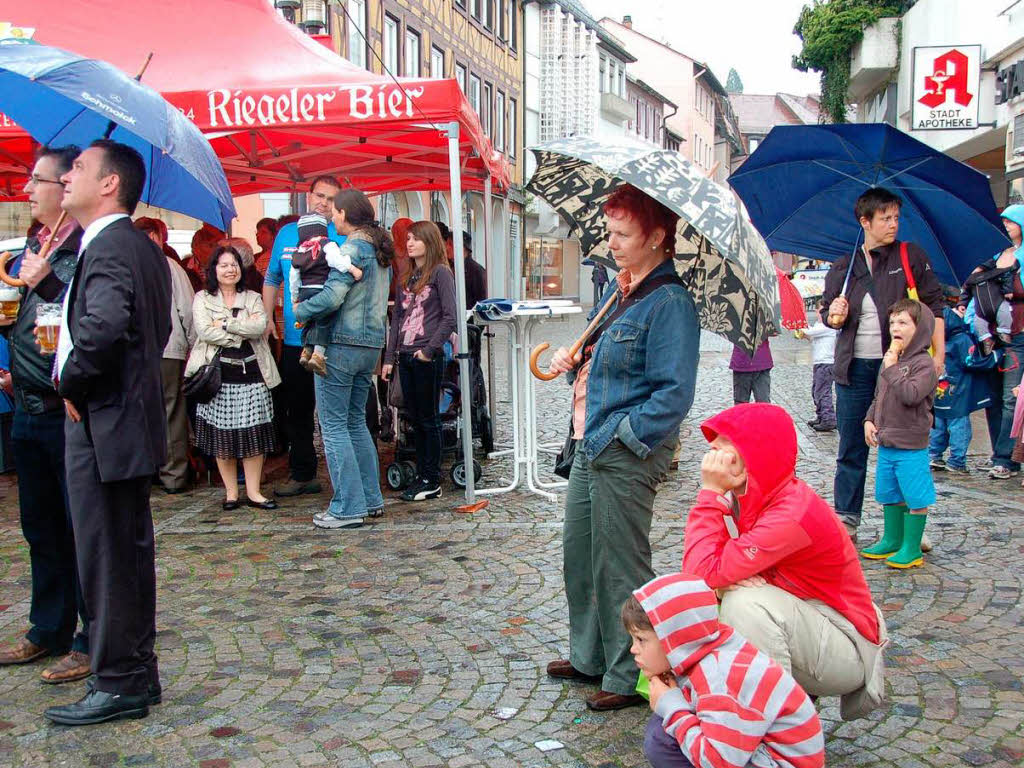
892, 533
910, 551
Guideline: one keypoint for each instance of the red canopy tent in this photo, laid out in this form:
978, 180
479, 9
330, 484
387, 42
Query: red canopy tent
278, 107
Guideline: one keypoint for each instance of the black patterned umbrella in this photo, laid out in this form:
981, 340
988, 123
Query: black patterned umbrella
721, 258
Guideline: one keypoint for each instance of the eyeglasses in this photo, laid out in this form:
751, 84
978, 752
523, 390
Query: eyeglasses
38, 180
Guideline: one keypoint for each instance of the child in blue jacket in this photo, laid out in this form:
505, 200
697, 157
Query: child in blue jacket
960, 392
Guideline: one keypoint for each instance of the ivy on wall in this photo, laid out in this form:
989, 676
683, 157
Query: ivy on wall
829, 30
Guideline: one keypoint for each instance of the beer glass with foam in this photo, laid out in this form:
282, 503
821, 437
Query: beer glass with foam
48, 327
10, 299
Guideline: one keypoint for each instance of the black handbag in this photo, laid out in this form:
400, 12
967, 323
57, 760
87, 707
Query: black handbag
203, 385
566, 456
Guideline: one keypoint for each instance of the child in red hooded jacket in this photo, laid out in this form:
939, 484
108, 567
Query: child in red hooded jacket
787, 572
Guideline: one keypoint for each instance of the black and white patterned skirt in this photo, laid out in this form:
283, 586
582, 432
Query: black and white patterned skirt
237, 423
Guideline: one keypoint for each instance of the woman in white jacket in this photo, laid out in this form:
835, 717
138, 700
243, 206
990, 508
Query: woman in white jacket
238, 422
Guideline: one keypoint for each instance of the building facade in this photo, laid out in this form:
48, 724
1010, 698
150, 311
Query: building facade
479, 43
947, 74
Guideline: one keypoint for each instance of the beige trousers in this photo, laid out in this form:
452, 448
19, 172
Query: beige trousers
796, 634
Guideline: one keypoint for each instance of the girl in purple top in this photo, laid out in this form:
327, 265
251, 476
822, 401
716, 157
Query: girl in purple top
424, 319
752, 374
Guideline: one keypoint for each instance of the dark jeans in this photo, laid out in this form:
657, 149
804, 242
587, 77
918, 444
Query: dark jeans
421, 392
298, 400
1014, 363
745, 383
660, 749
852, 403
38, 442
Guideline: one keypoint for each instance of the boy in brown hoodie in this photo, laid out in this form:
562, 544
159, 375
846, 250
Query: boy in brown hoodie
898, 423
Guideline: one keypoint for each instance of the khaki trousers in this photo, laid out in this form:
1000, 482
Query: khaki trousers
808, 644
174, 474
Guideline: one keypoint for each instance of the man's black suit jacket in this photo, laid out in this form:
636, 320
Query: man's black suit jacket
119, 318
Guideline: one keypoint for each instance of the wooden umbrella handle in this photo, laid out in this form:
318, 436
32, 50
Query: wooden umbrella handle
43, 253
4, 258
576, 346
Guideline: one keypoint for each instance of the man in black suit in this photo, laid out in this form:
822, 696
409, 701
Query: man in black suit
116, 324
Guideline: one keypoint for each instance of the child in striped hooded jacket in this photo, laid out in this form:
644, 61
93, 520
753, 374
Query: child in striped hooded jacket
718, 701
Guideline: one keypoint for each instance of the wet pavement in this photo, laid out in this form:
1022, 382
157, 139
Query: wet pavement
420, 639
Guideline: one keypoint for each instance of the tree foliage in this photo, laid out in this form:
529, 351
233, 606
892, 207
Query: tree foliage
733, 84
829, 30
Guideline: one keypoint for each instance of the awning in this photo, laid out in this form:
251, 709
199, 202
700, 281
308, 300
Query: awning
278, 107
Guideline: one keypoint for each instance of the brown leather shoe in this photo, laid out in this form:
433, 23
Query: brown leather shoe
562, 669
22, 652
604, 701
67, 669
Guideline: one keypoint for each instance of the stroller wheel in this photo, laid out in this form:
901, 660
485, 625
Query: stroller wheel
395, 476
458, 473
408, 473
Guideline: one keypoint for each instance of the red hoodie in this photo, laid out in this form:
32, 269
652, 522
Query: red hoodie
787, 533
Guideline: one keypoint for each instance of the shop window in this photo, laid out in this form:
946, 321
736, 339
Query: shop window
552, 268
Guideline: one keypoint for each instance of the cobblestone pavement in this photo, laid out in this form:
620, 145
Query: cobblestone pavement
420, 640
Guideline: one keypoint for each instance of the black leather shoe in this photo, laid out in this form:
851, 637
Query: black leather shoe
99, 707
230, 504
155, 693
265, 504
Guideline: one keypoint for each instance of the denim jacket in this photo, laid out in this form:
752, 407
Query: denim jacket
643, 372
361, 305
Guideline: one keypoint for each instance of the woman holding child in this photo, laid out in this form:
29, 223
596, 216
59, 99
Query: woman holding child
357, 337
632, 386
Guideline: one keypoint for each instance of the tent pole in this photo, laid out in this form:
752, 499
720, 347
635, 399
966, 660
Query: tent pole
489, 266
460, 308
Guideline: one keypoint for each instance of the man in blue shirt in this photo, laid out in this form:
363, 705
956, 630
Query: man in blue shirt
297, 395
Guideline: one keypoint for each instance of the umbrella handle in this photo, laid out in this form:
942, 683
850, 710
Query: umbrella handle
4, 258
43, 253
576, 346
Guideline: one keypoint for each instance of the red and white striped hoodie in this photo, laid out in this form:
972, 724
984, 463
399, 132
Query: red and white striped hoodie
734, 707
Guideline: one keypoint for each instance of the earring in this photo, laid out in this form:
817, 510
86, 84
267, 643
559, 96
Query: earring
654, 247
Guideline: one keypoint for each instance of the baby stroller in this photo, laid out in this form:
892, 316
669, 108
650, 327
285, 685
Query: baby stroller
400, 473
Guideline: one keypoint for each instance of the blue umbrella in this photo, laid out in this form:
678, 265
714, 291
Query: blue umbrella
800, 185
60, 98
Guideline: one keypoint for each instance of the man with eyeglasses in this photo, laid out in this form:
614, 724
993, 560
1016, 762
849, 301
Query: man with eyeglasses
38, 439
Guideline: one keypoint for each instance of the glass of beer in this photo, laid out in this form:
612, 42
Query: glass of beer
10, 299
48, 327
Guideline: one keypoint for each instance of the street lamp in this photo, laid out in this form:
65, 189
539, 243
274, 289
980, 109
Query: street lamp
314, 16
287, 9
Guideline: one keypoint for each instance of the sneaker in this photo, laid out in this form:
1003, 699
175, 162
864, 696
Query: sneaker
937, 462
327, 520
958, 470
984, 465
422, 490
812, 423
999, 472
294, 487
819, 427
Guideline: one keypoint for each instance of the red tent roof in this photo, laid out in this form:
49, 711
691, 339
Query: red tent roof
278, 107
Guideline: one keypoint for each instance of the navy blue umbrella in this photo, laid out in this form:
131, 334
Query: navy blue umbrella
800, 185
60, 98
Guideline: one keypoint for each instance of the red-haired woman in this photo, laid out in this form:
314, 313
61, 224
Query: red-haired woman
632, 386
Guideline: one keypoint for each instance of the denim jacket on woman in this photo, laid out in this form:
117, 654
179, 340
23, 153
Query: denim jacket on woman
643, 371
362, 305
